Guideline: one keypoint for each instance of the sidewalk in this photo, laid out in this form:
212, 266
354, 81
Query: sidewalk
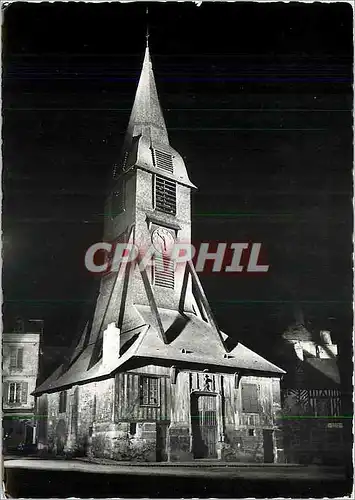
198, 463
194, 464
184, 469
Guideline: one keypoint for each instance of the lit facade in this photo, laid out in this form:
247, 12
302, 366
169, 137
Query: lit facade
311, 397
152, 377
20, 351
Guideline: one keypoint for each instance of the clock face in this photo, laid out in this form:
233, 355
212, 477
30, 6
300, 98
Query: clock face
163, 240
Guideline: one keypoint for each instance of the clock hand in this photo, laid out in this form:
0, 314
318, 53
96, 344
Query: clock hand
162, 238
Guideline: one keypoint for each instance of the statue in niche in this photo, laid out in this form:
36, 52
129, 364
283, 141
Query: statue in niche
207, 383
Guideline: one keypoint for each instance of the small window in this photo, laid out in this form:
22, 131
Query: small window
163, 272
250, 401
16, 358
251, 432
163, 160
132, 428
165, 195
149, 391
63, 402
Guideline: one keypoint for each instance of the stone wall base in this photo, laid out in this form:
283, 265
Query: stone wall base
179, 443
113, 440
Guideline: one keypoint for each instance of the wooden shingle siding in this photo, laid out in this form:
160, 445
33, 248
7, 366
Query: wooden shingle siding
128, 402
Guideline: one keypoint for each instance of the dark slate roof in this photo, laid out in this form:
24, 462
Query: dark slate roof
191, 342
322, 373
188, 332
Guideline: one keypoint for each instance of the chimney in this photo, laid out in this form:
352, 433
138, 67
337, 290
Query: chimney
325, 337
19, 326
111, 346
327, 349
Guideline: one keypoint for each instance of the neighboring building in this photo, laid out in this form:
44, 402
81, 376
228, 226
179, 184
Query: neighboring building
311, 397
20, 357
152, 377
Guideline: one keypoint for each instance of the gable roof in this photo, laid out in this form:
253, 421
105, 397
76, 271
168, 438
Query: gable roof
322, 373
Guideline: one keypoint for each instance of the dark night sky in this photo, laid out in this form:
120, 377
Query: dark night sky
257, 98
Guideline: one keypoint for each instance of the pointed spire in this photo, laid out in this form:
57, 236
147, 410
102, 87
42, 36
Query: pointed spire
147, 34
146, 116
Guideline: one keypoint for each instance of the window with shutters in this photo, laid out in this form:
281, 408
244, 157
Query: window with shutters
163, 271
165, 195
17, 392
16, 358
62, 402
250, 401
149, 391
163, 160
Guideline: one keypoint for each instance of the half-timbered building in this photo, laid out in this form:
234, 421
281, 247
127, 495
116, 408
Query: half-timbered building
311, 396
152, 377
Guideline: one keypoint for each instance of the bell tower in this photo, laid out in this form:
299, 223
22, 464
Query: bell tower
148, 204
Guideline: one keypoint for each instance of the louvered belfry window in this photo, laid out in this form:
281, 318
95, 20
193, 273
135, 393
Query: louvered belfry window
165, 195
163, 160
163, 271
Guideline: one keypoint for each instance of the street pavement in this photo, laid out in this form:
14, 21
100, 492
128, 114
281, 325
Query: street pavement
44, 478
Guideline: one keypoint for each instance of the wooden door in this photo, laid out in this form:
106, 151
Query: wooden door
204, 426
28, 433
268, 446
162, 429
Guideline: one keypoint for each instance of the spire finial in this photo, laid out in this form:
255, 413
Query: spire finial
147, 33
